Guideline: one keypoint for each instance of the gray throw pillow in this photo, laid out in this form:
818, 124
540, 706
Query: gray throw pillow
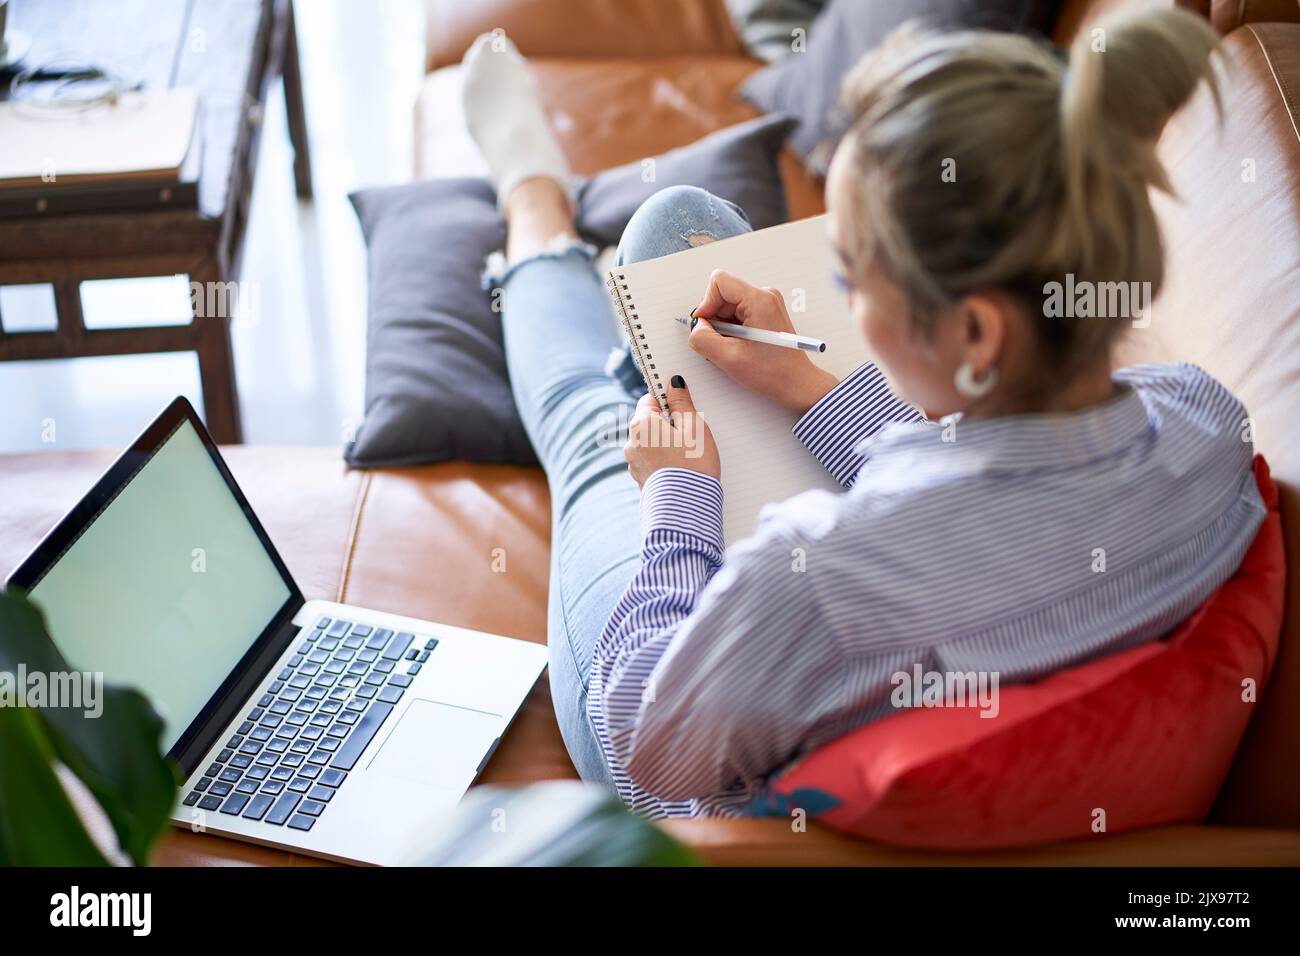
738, 163
436, 382
807, 84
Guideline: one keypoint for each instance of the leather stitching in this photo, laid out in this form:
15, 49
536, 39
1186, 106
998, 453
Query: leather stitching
1287, 100
354, 530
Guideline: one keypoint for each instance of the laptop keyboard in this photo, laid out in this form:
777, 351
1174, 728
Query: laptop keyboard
295, 748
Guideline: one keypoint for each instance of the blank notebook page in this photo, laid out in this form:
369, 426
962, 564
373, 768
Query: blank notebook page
762, 461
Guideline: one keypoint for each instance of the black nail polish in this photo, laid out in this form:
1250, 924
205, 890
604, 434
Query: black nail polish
679, 382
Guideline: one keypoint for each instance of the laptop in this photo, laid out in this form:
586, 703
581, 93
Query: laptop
327, 729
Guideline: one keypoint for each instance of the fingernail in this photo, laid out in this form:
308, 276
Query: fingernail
694, 321
693, 312
679, 382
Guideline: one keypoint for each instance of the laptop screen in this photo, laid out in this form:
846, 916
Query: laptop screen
168, 587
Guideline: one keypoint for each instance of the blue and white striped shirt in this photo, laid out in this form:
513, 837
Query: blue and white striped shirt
1016, 546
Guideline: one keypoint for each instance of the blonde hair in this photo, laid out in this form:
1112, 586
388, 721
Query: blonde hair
1050, 165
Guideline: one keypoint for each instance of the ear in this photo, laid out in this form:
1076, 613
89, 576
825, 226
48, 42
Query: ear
985, 321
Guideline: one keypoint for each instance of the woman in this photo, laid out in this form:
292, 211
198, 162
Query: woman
1049, 511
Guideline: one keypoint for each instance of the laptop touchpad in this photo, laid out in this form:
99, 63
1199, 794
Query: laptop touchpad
437, 745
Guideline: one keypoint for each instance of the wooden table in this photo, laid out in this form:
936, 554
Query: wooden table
229, 51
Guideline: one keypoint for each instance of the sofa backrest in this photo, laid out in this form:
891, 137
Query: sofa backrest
1231, 303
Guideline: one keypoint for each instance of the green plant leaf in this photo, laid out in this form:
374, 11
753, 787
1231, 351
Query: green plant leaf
116, 755
38, 824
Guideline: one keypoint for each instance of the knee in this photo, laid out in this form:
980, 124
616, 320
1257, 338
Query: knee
679, 203
677, 218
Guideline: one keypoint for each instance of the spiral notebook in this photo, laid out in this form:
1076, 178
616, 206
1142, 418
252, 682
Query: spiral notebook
762, 462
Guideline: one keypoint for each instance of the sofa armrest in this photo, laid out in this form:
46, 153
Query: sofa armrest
1228, 15
773, 842
558, 28
1224, 15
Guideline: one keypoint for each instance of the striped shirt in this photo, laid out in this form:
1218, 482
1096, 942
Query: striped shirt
1016, 545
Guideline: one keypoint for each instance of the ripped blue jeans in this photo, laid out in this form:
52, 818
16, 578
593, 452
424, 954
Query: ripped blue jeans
560, 330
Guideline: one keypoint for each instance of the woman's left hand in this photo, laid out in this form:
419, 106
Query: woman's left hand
680, 441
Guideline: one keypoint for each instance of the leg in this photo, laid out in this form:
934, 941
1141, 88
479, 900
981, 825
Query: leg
217, 366
559, 330
297, 112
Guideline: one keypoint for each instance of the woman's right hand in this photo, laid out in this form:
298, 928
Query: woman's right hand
786, 376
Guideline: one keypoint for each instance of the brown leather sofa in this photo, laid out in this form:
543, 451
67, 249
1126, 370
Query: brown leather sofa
625, 79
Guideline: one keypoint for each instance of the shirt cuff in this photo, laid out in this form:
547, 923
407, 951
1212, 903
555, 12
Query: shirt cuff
683, 501
847, 415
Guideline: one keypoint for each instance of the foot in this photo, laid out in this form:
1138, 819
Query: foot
504, 113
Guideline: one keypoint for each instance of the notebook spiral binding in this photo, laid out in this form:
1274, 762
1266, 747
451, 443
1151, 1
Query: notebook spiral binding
617, 285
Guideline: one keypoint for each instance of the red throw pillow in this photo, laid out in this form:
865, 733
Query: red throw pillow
1135, 739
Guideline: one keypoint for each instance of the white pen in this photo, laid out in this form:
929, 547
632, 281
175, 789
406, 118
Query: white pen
787, 340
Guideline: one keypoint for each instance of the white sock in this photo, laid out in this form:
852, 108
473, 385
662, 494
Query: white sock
504, 113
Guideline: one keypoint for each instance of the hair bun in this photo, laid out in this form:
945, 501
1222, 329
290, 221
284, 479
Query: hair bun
1127, 76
